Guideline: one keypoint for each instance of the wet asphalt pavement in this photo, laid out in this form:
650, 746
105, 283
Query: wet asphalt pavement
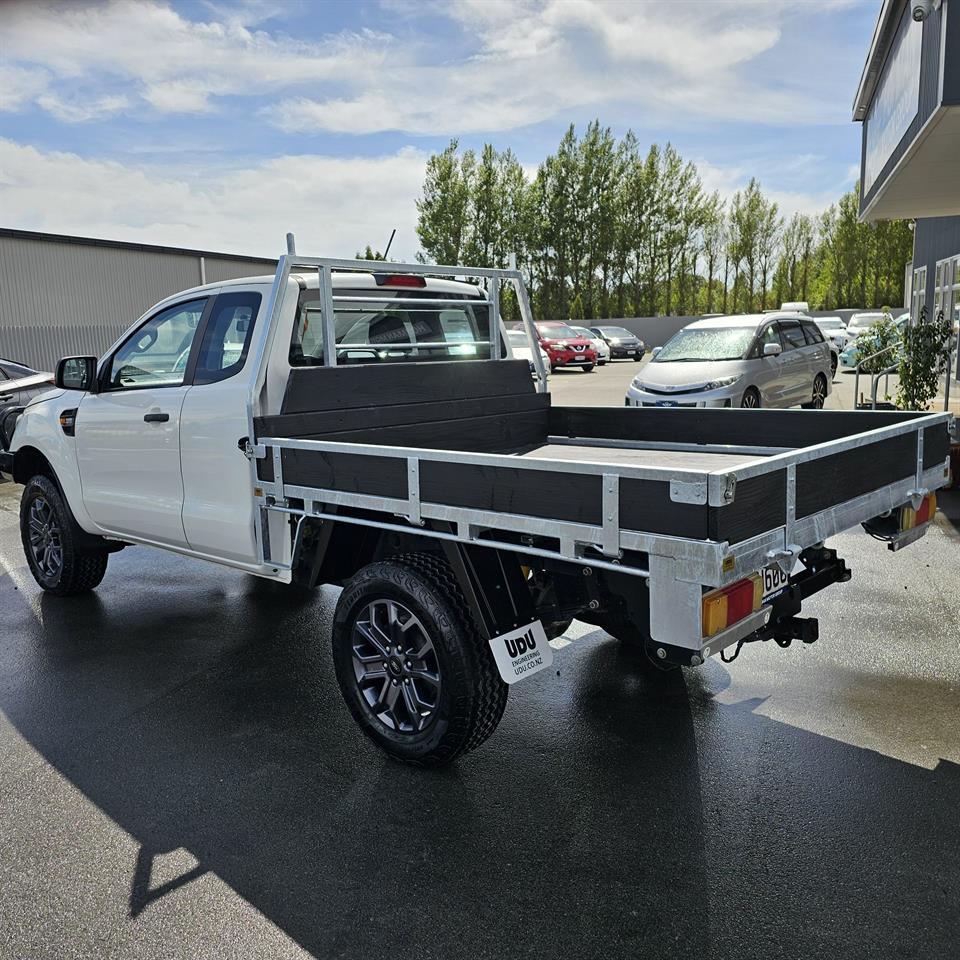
179, 778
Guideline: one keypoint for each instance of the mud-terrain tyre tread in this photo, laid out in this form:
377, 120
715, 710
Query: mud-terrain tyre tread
469, 670
81, 571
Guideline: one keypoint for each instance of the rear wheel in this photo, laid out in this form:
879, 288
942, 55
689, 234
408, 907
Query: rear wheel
834, 363
637, 359
47, 531
411, 664
819, 393
751, 398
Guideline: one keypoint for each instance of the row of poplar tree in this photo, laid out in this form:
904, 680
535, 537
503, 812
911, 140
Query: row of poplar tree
605, 229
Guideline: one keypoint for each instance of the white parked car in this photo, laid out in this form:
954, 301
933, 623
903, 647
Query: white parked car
758, 360
520, 350
603, 351
834, 330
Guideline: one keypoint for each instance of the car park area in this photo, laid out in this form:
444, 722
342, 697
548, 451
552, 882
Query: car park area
180, 773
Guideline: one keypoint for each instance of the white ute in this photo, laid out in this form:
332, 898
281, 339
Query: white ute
364, 426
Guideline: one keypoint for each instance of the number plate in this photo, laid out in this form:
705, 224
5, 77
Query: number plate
522, 652
775, 581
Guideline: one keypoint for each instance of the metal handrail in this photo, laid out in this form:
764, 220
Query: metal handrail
876, 376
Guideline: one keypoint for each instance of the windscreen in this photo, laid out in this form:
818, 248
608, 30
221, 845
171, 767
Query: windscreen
863, 321
616, 331
385, 333
707, 343
557, 331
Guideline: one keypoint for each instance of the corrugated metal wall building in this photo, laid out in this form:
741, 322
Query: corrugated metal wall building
64, 295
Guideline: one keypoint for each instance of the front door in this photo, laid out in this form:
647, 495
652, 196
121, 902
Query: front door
128, 434
794, 368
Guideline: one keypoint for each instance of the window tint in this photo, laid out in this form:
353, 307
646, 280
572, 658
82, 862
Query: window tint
811, 332
386, 333
226, 340
792, 335
156, 354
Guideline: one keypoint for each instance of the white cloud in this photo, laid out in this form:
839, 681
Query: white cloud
175, 64
335, 205
79, 111
728, 180
527, 61
537, 59
19, 85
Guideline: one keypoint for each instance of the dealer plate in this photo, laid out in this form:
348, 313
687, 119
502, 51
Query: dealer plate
522, 652
775, 581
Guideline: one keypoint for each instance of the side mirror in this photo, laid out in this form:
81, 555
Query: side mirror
77, 373
772, 349
655, 351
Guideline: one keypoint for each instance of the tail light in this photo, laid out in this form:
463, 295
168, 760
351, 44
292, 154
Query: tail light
910, 518
727, 606
399, 280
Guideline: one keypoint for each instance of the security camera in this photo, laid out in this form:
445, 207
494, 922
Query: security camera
922, 9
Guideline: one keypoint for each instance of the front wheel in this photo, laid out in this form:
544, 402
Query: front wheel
47, 531
588, 368
411, 664
751, 398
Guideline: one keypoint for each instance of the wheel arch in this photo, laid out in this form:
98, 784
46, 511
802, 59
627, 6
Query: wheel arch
29, 462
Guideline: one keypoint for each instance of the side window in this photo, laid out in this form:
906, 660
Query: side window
156, 354
792, 335
226, 339
3, 374
812, 332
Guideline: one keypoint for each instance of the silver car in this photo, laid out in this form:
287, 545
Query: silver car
765, 360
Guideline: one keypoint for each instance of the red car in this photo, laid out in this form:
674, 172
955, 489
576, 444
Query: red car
565, 347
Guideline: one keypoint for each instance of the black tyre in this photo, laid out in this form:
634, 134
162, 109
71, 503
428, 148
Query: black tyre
553, 368
637, 359
588, 368
834, 363
632, 638
819, 393
751, 398
412, 666
48, 533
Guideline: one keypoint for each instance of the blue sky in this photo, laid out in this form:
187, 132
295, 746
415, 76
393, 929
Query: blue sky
224, 125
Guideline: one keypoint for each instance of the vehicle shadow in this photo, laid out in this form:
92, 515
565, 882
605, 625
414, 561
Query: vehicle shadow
609, 815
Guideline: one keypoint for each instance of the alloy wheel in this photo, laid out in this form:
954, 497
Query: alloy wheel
750, 400
396, 667
46, 543
819, 393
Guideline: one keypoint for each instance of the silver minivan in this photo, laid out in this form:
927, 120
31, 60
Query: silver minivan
761, 360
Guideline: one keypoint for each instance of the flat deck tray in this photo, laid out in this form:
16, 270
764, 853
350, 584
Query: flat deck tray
634, 457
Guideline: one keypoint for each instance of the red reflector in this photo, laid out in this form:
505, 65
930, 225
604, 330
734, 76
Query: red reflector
923, 514
739, 601
399, 280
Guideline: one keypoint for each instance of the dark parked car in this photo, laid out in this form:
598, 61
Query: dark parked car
18, 384
623, 344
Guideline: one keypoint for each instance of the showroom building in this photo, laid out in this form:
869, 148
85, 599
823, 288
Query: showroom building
909, 104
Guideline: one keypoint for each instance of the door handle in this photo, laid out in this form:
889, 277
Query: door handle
6, 398
156, 417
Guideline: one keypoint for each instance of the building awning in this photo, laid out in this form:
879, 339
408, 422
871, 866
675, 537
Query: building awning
924, 181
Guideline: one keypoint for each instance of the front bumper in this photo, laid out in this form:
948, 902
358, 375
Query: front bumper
626, 353
572, 358
705, 398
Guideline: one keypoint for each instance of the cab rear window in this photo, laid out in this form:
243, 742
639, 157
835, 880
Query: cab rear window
385, 333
